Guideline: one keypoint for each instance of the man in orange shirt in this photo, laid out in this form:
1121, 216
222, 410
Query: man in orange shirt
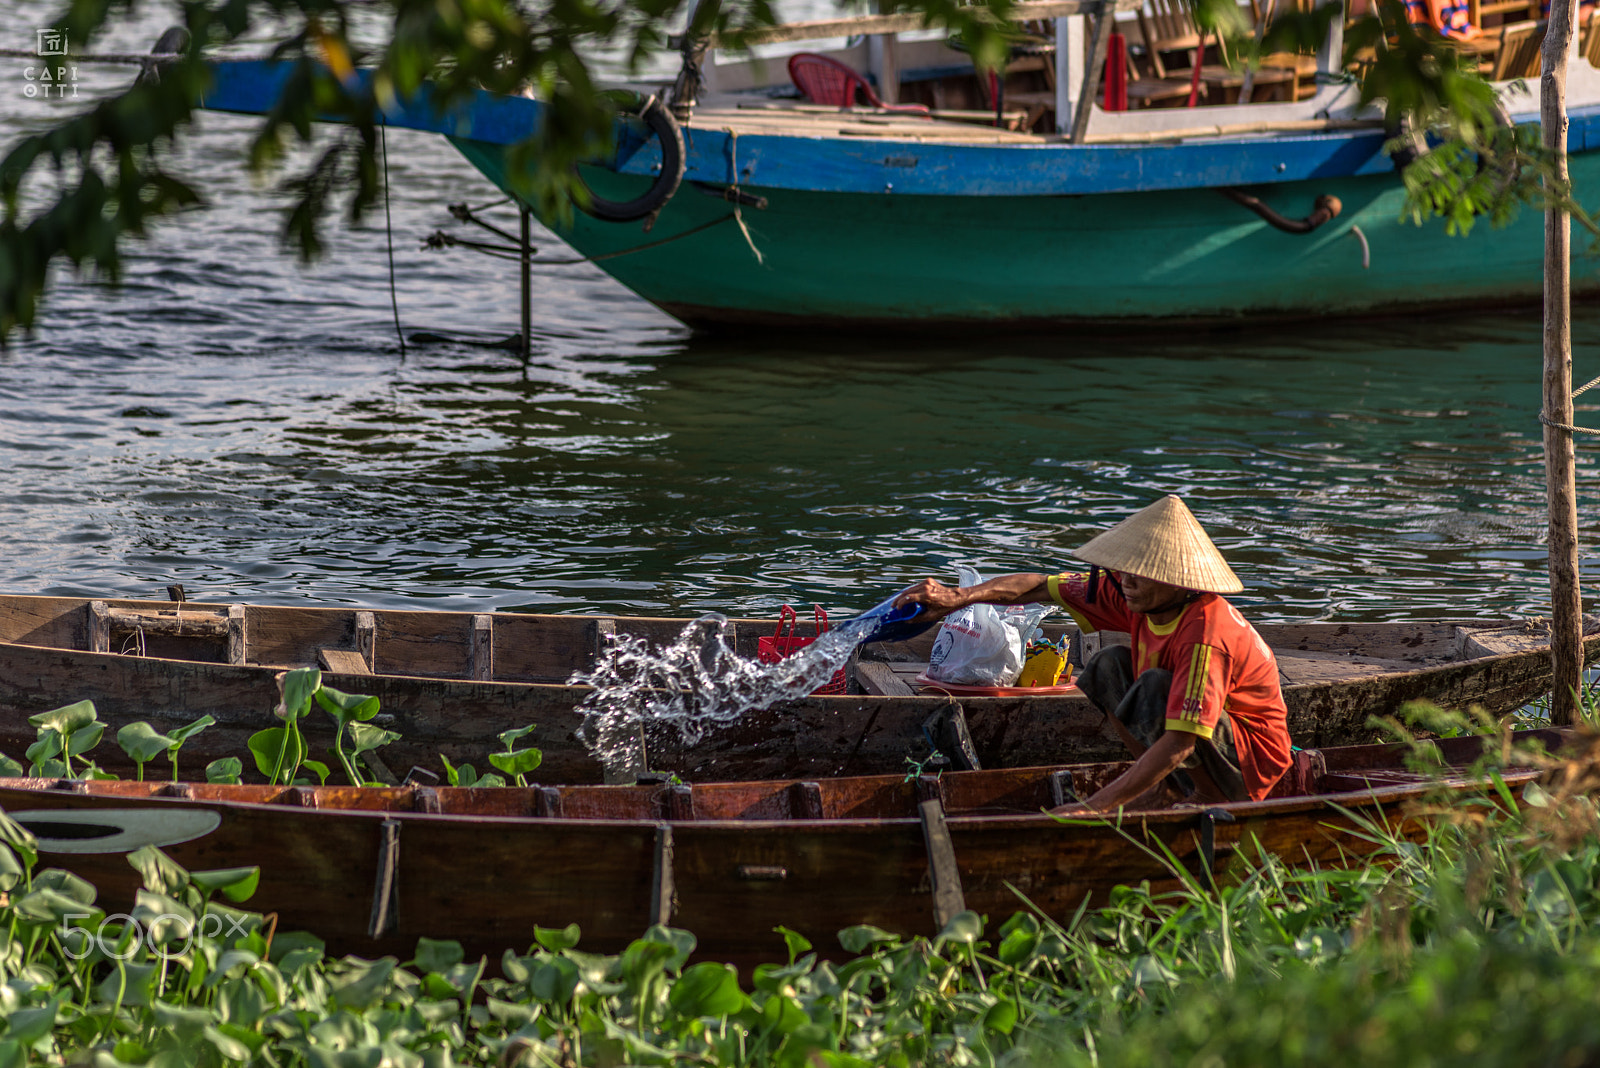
1197, 689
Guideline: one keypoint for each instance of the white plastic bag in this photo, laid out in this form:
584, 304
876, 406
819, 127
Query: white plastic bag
981, 644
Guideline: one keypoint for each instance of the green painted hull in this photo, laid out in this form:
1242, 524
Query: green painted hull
1119, 259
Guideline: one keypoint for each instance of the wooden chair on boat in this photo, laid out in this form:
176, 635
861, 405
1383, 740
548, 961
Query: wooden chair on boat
1168, 26
1518, 56
1303, 66
1502, 12
829, 82
1589, 45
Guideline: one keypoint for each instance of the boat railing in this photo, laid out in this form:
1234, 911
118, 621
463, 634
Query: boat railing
694, 45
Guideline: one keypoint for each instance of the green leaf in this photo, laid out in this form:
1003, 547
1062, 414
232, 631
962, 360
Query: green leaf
1002, 1017
490, 781
555, 981
28, 1026
10, 769
183, 734
682, 943
135, 983
436, 956
85, 739
230, 1048
47, 745
518, 763
236, 884
857, 939
51, 769
165, 919
345, 707
11, 869
161, 874
454, 775
227, 770
964, 927
507, 737
142, 742
364, 984
783, 1014
66, 719
318, 768
707, 989
298, 687
66, 882
45, 906
796, 942
364, 738
556, 940
266, 744
181, 1021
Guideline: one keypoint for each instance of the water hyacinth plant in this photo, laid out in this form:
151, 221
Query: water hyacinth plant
1474, 945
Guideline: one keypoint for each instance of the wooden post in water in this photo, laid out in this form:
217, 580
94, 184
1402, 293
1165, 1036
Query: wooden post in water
527, 286
1566, 600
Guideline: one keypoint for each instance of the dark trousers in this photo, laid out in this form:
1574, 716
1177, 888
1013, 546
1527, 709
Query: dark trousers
1141, 704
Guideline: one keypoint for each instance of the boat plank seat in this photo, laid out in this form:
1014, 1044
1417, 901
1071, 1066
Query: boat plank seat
1377, 778
1423, 643
1475, 642
173, 630
887, 680
343, 662
1297, 668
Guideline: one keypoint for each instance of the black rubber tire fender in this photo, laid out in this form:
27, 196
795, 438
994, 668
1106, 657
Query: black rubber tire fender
655, 115
1416, 142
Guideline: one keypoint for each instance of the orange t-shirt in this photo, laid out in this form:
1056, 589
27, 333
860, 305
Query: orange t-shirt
1218, 663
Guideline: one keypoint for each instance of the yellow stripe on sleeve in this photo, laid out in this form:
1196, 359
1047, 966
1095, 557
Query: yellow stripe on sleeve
1052, 586
1188, 727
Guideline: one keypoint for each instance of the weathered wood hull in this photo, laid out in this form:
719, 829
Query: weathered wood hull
726, 861
1336, 677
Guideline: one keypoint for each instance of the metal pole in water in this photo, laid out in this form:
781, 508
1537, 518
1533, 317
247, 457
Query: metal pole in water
1566, 599
527, 288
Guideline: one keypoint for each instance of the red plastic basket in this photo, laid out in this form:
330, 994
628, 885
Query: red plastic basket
784, 642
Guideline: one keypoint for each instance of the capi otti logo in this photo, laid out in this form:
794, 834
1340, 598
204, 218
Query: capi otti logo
57, 79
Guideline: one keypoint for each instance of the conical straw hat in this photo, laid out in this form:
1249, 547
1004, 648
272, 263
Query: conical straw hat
1164, 542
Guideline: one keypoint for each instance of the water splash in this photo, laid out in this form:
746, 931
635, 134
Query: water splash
698, 683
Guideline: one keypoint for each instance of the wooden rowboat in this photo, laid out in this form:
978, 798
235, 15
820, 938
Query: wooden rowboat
370, 870
450, 681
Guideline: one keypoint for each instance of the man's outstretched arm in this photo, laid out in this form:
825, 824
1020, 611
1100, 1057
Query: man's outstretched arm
940, 600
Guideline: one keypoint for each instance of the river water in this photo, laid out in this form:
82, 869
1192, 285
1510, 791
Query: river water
249, 427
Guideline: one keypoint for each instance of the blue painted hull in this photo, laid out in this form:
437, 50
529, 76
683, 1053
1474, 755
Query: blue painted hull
861, 230
1113, 259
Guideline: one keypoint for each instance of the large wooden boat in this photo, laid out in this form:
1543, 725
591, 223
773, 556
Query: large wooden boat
449, 682
863, 217
371, 870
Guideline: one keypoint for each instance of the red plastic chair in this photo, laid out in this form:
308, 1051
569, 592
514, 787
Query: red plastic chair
827, 81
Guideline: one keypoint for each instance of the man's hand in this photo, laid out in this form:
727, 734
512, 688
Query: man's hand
1076, 808
937, 599
1160, 760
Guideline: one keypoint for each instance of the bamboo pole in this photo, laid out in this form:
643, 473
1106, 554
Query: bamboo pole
1566, 601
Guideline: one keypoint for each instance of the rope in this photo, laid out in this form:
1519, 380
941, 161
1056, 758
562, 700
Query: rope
441, 240
132, 59
1568, 427
388, 233
733, 188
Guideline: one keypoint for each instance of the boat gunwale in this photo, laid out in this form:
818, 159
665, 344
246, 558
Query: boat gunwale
1377, 794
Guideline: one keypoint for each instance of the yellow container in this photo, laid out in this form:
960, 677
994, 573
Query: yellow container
1044, 668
